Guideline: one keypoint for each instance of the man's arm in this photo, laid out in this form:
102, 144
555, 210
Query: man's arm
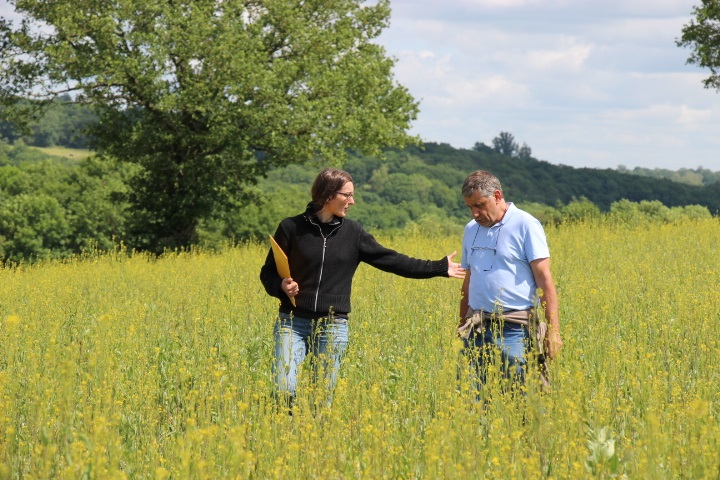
464, 304
549, 300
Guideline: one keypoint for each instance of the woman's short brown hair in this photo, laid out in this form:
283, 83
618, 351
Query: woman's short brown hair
327, 184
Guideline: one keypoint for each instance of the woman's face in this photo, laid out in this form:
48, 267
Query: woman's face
339, 204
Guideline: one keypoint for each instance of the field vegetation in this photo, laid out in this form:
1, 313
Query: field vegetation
123, 365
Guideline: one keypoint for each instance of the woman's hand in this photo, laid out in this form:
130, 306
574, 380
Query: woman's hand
454, 269
289, 286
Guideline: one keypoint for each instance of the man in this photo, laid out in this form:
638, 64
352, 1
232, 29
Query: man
507, 282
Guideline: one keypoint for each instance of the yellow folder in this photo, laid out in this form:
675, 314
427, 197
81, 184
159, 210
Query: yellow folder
281, 262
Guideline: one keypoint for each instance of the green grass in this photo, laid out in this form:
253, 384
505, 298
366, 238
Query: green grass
68, 153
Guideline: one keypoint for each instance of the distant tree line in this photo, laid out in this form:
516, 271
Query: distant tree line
64, 124
52, 207
698, 176
531, 180
67, 124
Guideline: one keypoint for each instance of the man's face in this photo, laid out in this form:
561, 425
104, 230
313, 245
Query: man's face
486, 211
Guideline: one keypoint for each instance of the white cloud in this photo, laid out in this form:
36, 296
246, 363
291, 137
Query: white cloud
584, 83
694, 117
570, 57
497, 4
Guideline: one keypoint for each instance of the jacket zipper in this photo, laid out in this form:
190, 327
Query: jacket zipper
322, 266
322, 263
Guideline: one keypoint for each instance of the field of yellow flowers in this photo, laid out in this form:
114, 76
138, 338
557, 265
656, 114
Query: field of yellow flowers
125, 366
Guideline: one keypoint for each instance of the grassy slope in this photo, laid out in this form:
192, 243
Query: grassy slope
63, 152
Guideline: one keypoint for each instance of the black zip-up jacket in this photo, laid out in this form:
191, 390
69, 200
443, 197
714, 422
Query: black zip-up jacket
323, 259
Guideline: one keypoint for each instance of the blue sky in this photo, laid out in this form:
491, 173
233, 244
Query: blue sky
585, 83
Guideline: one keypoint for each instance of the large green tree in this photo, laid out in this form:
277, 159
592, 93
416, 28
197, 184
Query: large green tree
702, 34
208, 95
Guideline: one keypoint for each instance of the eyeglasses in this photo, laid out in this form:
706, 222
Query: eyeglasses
486, 258
347, 196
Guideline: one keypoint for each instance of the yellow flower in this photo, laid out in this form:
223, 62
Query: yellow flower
161, 473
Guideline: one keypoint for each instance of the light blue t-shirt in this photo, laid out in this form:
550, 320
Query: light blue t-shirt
499, 261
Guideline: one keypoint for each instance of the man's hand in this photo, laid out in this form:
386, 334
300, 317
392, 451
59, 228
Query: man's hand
553, 343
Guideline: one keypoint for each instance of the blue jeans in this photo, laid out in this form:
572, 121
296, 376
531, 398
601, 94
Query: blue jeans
506, 342
295, 338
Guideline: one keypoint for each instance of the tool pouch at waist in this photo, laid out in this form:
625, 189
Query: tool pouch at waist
476, 320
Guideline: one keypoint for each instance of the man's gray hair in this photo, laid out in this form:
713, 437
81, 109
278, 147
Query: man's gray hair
481, 181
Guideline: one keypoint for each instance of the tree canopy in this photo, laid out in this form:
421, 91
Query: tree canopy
702, 34
505, 144
207, 96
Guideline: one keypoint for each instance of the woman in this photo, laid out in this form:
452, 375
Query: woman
324, 250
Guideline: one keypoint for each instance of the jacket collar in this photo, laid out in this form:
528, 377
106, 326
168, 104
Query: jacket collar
311, 216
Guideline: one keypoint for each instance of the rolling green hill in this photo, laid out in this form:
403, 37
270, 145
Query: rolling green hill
57, 205
531, 180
